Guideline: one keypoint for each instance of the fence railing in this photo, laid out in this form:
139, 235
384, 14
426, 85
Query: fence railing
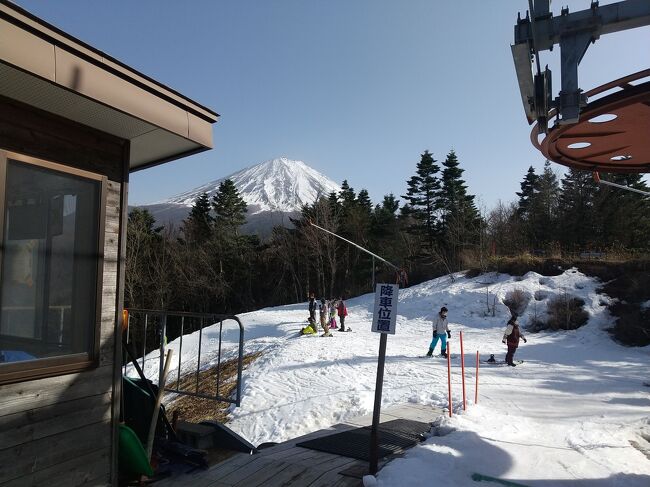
149, 329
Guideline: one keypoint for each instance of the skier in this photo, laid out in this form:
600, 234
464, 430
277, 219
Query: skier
332, 305
324, 317
313, 304
511, 337
440, 332
342, 312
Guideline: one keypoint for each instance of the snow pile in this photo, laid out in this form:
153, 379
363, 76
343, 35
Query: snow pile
275, 185
575, 413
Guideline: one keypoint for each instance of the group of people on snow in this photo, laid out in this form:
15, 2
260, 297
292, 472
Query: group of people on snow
442, 333
328, 310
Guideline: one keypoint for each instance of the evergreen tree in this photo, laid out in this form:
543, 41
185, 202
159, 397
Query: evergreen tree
529, 188
423, 203
625, 215
363, 200
197, 227
346, 195
457, 205
543, 207
384, 222
459, 223
334, 201
230, 208
579, 215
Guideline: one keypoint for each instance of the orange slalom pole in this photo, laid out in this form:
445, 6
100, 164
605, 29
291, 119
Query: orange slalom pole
449, 375
462, 368
476, 386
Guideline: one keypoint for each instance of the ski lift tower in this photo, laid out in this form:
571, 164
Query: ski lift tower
604, 129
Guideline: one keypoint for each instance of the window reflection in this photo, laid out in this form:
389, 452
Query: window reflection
49, 263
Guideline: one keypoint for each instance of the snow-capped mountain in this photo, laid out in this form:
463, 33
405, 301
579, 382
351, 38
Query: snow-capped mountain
273, 190
280, 184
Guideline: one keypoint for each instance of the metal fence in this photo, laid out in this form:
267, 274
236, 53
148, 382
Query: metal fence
148, 330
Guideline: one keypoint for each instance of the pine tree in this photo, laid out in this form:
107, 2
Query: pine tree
579, 215
460, 219
625, 215
543, 207
363, 200
230, 208
384, 218
528, 191
454, 200
346, 195
197, 227
423, 203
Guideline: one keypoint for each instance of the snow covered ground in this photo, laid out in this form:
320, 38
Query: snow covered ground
566, 417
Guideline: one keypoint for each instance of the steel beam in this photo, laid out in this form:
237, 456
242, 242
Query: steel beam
573, 32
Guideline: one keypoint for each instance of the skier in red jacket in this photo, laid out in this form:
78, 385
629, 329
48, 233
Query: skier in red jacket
342, 312
511, 337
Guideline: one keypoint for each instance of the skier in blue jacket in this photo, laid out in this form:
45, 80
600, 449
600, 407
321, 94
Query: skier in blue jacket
440, 332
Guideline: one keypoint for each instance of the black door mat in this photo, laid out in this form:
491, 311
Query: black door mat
394, 437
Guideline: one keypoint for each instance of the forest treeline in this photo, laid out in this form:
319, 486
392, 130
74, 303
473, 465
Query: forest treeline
208, 265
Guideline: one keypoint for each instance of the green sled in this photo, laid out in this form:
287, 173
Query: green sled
133, 458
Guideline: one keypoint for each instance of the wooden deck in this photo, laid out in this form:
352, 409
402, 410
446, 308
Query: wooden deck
288, 465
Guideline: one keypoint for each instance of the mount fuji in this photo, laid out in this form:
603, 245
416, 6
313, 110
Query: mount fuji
273, 190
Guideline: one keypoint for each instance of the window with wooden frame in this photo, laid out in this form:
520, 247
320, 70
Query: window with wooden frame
51, 247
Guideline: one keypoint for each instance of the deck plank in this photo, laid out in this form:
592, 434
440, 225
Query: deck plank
288, 465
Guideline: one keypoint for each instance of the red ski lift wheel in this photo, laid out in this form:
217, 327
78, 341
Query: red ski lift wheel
613, 134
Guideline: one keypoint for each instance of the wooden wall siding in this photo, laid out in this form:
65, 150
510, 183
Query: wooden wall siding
37, 133
58, 431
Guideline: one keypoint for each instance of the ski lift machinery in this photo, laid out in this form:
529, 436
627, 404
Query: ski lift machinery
604, 129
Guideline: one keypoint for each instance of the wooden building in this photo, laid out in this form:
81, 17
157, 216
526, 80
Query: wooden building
74, 122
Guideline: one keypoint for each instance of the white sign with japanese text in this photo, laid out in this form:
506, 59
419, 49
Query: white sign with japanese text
385, 315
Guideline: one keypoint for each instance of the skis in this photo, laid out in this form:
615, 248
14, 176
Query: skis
453, 356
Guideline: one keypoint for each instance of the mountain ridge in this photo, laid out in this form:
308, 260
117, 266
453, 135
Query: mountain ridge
279, 184
274, 191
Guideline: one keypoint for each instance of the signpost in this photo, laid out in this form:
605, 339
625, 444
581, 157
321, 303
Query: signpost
383, 321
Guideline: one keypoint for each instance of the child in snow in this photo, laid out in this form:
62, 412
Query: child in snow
311, 328
342, 312
511, 337
324, 317
440, 332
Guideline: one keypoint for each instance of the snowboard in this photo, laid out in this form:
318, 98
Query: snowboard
501, 362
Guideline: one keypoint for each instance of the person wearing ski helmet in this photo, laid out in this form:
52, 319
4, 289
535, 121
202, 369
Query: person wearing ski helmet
440, 332
511, 338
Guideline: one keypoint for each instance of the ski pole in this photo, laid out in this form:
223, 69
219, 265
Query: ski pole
449, 375
462, 367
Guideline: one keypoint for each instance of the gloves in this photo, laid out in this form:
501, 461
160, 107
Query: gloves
525, 341
448, 334
503, 341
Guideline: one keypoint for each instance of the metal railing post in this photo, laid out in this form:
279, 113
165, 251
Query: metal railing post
234, 398
163, 334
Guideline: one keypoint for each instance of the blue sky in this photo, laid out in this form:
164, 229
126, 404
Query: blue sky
356, 89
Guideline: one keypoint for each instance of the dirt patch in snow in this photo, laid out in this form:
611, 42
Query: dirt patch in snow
196, 409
